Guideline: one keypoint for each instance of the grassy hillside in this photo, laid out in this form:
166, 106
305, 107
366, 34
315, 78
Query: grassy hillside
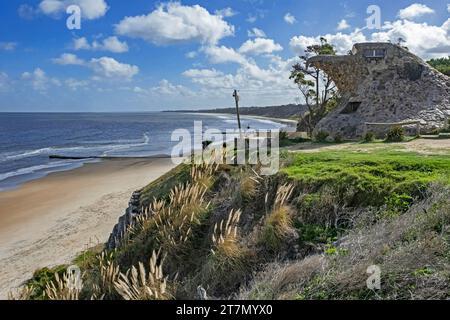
309, 232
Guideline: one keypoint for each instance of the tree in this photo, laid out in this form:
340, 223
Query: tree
442, 65
317, 89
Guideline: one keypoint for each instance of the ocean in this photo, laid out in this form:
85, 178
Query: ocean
28, 139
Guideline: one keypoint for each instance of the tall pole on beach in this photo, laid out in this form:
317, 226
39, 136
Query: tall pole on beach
236, 99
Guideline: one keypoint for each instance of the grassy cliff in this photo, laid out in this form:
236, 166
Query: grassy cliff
309, 232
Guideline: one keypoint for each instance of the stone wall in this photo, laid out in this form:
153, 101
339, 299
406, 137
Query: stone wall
395, 87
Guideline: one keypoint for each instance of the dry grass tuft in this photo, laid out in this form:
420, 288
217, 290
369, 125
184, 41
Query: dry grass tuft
66, 288
224, 237
278, 223
137, 284
24, 293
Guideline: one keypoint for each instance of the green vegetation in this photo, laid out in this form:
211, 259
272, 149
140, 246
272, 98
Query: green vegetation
321, 136
395, 134
315, 86
309, 232
368, 178
369, 137
441, 64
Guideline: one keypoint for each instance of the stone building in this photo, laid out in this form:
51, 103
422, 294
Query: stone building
383, 83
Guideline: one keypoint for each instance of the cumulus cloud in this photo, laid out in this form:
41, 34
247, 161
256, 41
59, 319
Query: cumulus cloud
74, 84
289, 18
343, 25
256, 84
448, 7
174, 23
8, 46
256, 33
27, 12
343, 42
414, 11
67, 59
259, 46
90, 9
110, 68
191, 54
104, 67
223, 54
226, 12
39, 80
166, 88
427, 41
111, 44
202, 73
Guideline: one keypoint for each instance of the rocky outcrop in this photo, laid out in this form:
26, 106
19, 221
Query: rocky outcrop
383, 83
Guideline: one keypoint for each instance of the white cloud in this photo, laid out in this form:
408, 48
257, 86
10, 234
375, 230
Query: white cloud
66, 59
27, 12
90, 9
259, 46
289, 18
425, 40
448, 7
414, 11
256, 33
104, 67
251, 18
223, 54
74, 84
422, 39
110, 68
112, 44
173, 23
39, 80
202, 73
257, 85
226, 12
191, 54
343, 42
343, 25
166, 88
8, 46
81, 44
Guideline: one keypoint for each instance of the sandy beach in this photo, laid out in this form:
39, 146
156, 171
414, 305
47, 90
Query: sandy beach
48, 221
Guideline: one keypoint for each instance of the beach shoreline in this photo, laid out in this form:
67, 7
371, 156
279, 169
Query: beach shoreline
48, 221
290, 123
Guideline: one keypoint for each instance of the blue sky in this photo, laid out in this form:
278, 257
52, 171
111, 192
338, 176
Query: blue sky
147, 55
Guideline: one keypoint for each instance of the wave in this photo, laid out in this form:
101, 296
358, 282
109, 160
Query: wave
43, 167
102, 148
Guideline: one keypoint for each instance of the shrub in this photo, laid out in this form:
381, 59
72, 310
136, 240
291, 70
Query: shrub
283, 135
338, 138
321, 136
369, 137
41, 278
395, 134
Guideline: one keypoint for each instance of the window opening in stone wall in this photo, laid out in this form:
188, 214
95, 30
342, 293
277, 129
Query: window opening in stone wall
351, 107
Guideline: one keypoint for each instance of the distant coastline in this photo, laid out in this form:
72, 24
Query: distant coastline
289, 111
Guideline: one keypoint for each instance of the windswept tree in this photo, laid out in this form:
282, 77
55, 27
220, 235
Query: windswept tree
317, 89
441, 64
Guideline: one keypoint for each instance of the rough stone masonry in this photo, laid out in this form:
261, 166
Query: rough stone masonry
383, 83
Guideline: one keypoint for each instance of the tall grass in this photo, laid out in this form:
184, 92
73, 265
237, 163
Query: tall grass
138, 284
278, 223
